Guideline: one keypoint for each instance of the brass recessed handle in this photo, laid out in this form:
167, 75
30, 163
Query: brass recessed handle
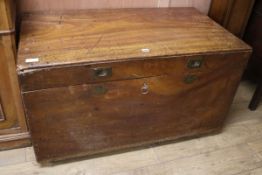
195, 63
102, 72
145, 89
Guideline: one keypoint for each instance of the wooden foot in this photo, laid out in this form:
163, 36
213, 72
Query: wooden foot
256, 98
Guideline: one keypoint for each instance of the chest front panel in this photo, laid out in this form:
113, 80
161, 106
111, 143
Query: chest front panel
104, 116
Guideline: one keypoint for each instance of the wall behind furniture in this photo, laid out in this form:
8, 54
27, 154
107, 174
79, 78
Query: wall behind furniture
43, 5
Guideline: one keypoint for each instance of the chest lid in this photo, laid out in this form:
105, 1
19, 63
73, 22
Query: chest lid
93, 36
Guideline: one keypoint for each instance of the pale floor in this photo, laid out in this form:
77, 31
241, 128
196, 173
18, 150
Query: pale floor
235, 151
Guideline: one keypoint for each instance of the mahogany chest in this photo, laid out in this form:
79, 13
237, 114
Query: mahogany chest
104, 80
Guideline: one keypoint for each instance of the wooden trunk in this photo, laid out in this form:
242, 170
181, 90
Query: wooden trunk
105, 80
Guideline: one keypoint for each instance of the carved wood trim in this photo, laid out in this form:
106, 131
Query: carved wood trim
11, 141
12, 137
232, 14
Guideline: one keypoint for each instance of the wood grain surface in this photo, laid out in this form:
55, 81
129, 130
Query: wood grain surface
103, 35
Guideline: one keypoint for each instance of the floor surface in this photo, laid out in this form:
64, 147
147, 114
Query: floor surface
235, 151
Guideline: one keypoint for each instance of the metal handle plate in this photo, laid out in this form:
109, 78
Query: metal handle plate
189, 79
99, 90
102, 72
145, 89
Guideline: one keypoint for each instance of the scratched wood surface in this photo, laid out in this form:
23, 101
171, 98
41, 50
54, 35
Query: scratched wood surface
103, 35
69, 122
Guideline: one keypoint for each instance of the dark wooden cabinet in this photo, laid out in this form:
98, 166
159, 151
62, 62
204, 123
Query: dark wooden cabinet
232, 14
253, 36
105, 80
13, 128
